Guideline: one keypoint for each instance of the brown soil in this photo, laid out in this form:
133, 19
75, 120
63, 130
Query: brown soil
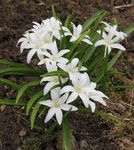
89, 132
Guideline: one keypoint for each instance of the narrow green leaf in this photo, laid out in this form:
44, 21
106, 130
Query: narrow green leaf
55, 73
9, 82
32, 101
34, 114
129, 30
75, 44
24, 88
20, 71
92, 19
67, 145
53, 11
68, 21
113, 60
12, 102
10, 63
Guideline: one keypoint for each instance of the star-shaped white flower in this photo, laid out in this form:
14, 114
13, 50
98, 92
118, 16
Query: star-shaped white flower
119, 34
51, 80
54, 26
36, 43
54, 55
83, 88
77, 30
72, 67
110, 41
57, 104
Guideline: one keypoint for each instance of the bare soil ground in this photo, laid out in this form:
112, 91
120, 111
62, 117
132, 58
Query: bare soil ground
89, 132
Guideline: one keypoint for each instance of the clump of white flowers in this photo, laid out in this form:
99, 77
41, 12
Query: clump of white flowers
44, 40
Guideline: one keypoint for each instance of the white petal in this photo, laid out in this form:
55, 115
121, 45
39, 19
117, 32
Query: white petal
68, 107
39, 54
43, 61
46, 79
87, 41
59, 116
118, 46
64, 98
100, 42
63, 60
93, 85
78, 30
55, 93
67, 88
63, 52
83, 68
92, 105
85, 99
74, 62
48, 86
30, 55
46, 103
72, 97
73, 38
98, 99
63, 66
50, 114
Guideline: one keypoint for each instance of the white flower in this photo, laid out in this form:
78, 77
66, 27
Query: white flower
71, 68
36, 43
110, 41
54, 55
76, 34
119, 34
51, 80
53, 25
84, 89
57, 104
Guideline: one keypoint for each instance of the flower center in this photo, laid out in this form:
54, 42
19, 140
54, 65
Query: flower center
37, 46
54, 58
46, 41
109, 42
57, 104
78, 89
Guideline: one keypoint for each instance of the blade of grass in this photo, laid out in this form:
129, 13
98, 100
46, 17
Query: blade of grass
10, 83
12, 102
24, 88
92, 19
67, 145
32, 101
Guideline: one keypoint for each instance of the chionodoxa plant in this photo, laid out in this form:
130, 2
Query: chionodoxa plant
73, 62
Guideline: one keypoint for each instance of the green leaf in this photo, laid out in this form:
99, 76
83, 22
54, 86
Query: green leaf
24, 88
12, 102
113, 60
32, 101
34, 114
92, 19
53, 11
75, 44
67, 145
68, 21
10, 63
20, 71
90, 50
129, 30
9, 82
55, 73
